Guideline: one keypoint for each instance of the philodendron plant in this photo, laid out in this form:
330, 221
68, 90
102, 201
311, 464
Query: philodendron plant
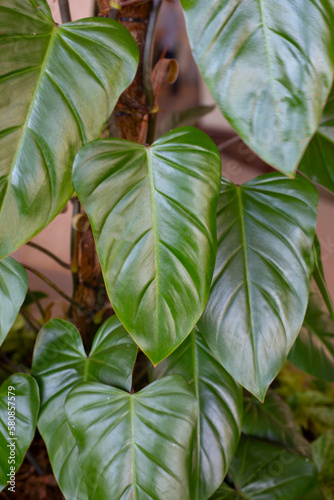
156, 388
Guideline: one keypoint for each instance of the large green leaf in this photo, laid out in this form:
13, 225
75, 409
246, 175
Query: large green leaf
323, 453
219, 401
267, 471
152, 211
273, 421
318, 161
134, 446
59, 364
13, 289
19, 391
261, 281
269, 67
58, 86
313, 350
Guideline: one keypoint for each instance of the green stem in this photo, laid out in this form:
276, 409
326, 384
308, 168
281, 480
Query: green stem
74, 249
49, 254
37, 302
54, 286
29, 320
228, 143
64, 11
148, 67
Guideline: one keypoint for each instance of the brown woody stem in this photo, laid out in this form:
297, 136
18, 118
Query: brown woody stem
148, 68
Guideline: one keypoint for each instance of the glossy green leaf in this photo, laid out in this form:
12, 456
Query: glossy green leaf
59, 364
273, 421
58, 86
219, 401
267, 471
13, 289
134, 446
318, 161
269, 67
152, 211
261, 281
182, 118
323, 453
19, 391
313, 350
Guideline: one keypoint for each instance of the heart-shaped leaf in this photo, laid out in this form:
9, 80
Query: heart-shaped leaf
313, 350
59, 364
273, 421
134, 445
152, 211
261, 281
13, 289
267, 471
219, 401
19, 396
323, 453
269, 67
58, 88
318, 161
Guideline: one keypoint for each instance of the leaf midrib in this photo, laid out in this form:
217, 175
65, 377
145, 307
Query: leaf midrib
246, 271
43, 66
155, 230
133, 451
267, 47
197, 394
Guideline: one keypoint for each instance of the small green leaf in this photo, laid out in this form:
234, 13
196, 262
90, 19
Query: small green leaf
219, 401
313, 350
58, 86
134, 446
13, 289
273, 421
269, 67
152, 211
323, 453
261, 281
19, 391
318, 161
267, 471
59, 364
